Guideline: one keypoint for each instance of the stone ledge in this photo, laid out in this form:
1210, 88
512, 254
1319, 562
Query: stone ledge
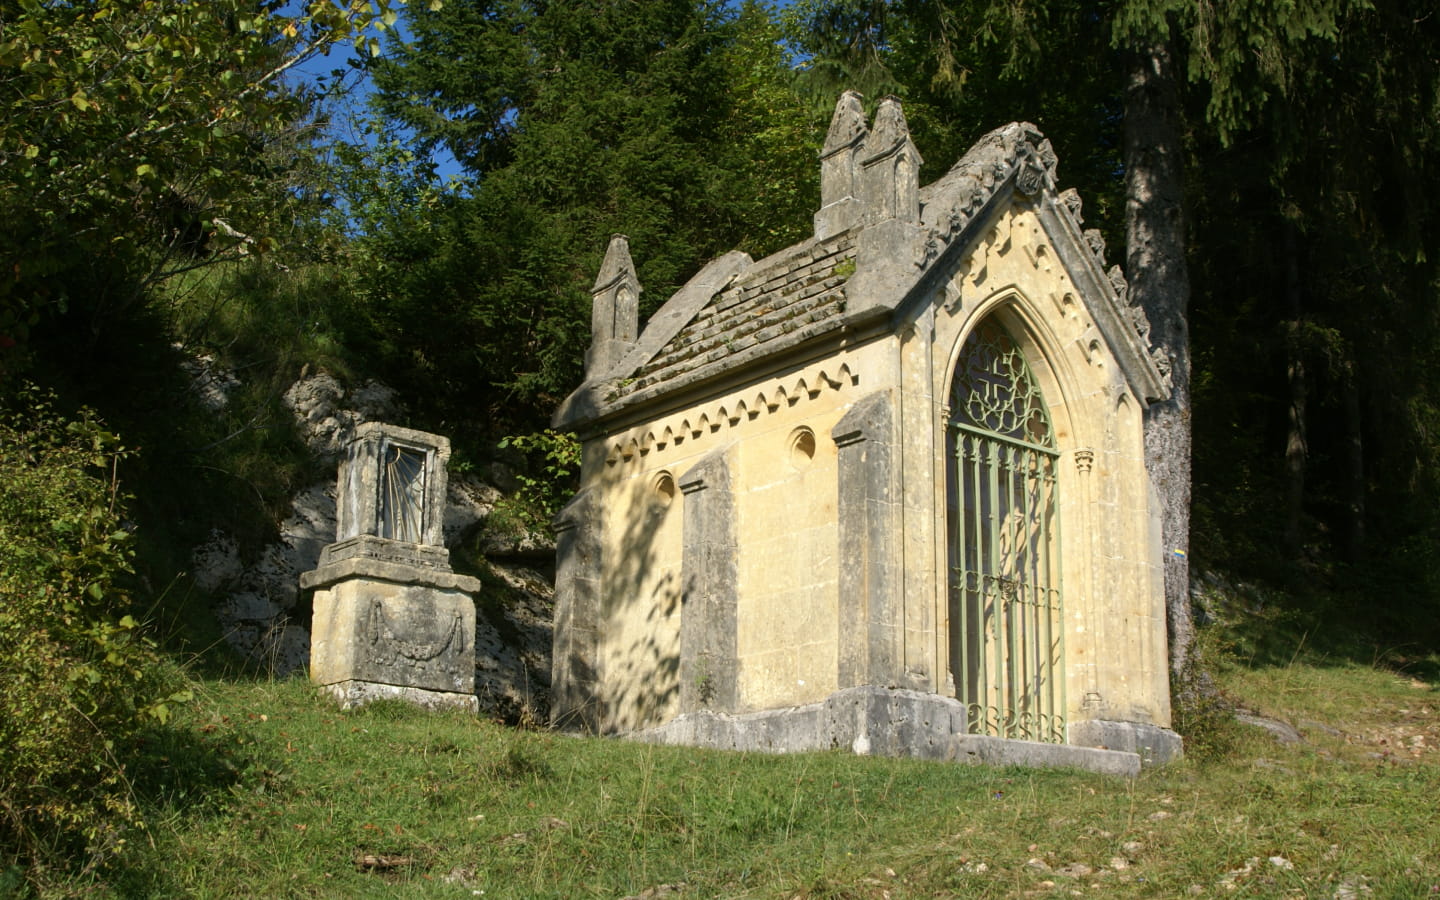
878, 721
387, 570
1156, 746
352, 694
371, 547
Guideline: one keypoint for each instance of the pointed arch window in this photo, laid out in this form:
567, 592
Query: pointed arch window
1006, 616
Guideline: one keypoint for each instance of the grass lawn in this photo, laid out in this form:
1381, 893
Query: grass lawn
264, 789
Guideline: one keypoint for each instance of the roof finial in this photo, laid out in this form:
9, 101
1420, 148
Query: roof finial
615, 312
838, 206
891, 167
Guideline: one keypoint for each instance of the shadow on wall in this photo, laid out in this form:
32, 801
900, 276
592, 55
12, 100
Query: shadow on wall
638, 651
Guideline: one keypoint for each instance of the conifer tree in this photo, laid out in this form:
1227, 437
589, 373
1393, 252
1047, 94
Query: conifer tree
670, 121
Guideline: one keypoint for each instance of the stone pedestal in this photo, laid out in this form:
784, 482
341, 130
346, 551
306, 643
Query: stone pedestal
386, 629
390, 617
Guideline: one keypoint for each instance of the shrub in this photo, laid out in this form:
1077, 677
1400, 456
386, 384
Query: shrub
80, 679
552, 468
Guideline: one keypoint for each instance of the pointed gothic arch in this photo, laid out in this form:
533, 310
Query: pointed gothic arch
1005, 605
819, 598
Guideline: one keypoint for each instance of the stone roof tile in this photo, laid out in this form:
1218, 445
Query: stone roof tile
756, 309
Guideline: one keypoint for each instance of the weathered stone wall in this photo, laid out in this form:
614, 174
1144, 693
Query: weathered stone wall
1115, 636
836, 472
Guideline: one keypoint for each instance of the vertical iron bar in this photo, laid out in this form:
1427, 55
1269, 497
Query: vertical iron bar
1035, 490
965, 466
993, 700
1057, 588
1010, 592
1043, 608
975, 599
1019, 669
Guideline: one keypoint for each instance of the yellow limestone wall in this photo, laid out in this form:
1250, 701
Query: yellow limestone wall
785, 494
640, 607
1115, 647
776, 437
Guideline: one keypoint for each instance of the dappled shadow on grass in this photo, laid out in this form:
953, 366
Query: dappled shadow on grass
186, 776
193, 770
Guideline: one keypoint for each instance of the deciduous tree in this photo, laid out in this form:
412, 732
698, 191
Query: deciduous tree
134, 138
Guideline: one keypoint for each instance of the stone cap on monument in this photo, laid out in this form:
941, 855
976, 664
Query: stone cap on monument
390, 511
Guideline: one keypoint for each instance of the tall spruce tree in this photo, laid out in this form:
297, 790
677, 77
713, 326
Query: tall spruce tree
671, 121
1286, 114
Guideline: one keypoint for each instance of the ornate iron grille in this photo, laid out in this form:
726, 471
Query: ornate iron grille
402, 494
1006, 617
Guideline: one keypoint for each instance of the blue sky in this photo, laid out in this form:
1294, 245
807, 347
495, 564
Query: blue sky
349, 112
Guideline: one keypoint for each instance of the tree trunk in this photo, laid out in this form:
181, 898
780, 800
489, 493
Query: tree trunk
1160, 282
1296, 445
1354, 462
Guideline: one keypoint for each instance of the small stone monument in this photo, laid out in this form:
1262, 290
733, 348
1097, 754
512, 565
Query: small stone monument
390, 617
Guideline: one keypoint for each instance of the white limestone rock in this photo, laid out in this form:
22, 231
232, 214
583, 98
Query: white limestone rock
327, 413
216, 564
468, 502
210, 382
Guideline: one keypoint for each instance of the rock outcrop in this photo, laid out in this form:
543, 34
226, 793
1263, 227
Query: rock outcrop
265, 617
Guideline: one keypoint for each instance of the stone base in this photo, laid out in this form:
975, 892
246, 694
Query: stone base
379, 631
351, 694
879, 721
1156, 746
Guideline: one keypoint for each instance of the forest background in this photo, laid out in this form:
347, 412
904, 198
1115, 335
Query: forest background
169, 195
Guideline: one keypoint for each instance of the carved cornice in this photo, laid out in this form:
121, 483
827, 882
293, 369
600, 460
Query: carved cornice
696, 424
1016, 151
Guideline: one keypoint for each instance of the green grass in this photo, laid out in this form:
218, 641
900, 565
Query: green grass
265, 789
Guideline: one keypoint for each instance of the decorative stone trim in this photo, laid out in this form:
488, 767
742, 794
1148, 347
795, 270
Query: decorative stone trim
729, 414
389, 571
1017, 152
802, 448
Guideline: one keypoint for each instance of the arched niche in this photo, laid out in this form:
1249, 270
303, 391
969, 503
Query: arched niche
1004, 597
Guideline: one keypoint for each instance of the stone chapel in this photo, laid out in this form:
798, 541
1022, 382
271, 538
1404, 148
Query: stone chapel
882, 490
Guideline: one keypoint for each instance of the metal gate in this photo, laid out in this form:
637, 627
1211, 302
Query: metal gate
1006, 620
